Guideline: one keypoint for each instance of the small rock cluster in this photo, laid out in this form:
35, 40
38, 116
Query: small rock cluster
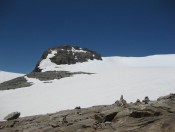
146, 100
121, 102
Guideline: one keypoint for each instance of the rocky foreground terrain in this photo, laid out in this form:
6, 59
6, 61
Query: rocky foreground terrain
141, 116
121, 116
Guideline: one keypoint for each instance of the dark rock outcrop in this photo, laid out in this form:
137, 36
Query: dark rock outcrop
68, 55
142, 113
12, 116
107, 116
51, 75
168, 97
156, 116
21, 82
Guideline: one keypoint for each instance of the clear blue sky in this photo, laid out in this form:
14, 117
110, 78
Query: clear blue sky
110, 27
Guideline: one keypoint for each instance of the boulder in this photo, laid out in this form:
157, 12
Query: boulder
78, 108
122, 113
106, 116
12, 116
140, 114
137, 102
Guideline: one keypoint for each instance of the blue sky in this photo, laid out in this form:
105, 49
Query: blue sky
110, 27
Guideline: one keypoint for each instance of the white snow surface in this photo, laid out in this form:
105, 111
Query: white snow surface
5, 76
47, 62
77, 51
132, 77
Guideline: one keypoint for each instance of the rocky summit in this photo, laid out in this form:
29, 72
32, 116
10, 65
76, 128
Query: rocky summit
68, 55
59, 55
151, 116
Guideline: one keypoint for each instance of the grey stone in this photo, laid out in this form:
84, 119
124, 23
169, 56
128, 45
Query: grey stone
146, 100
121, 98
137, 102
12, 116
122, 113
78, 108
106, 116
65, 119
118, 103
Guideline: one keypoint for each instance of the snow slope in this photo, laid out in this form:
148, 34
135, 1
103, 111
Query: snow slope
5, 76
134, 77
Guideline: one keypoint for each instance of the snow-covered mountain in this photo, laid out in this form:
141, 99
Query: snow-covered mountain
133, 77
5, 76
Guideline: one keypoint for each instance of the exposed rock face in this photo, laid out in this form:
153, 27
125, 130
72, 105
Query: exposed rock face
168, 97
156, 116
68, 55
12, 116
21, 82
51, 75
142, 113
